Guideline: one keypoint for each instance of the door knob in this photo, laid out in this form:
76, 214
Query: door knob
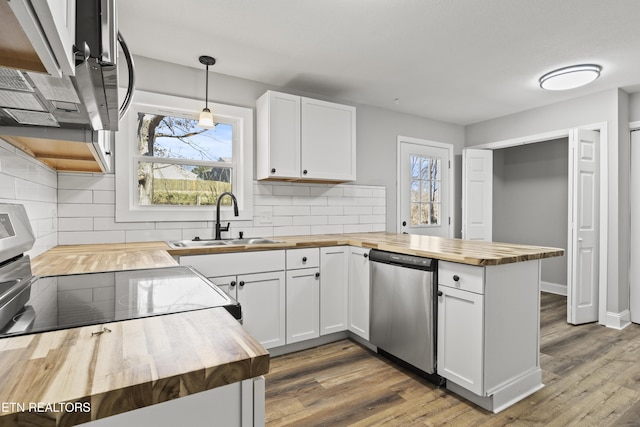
404, 223
439, 293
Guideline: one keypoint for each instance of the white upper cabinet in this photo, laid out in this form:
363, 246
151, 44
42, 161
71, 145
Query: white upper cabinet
50, 26
305, 139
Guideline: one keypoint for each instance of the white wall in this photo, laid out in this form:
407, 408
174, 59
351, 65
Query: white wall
26, 181
86, 210
530, 203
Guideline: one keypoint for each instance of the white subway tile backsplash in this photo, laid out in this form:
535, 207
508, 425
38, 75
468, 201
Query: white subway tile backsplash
7, 187
292, 231
266, 200
109, 223
310, 220
358, 228
26, 181
76, 208
75, 224
75, 196
291, 210
358, 210
104, 197
291, 190
344, 219
67, 210
152, 235
90, 237
326, 191
327, 229
310, 201
327, 210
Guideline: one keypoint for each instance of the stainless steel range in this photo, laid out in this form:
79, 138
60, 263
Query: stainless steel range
31, 304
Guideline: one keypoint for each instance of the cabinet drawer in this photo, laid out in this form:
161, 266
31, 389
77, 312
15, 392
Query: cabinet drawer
469, 277
227, 264
303, 258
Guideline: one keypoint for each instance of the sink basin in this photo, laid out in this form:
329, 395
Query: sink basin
252, 241
210, 243
196, 243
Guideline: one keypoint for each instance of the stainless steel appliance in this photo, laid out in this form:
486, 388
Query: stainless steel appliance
31, 304
71, 108
403, 308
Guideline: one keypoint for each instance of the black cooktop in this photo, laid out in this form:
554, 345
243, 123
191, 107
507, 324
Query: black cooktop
61, 302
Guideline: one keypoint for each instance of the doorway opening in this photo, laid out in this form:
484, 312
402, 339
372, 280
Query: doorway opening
530, 202
586, 219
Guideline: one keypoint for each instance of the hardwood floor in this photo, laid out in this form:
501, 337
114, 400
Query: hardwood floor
591, 376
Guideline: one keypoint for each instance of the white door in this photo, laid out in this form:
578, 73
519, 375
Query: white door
477, 194
583, 245
634, 278
424, 187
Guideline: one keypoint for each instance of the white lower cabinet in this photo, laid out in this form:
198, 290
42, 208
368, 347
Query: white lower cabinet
488, 331
460, 321
334, 289
303, 294
359, 291
240, 404
262, 298
303, 305
260, 292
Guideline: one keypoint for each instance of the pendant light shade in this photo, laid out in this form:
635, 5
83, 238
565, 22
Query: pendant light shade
570, 77
206, 117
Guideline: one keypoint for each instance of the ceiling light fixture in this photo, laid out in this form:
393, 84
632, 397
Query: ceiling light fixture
570, 77
206, 118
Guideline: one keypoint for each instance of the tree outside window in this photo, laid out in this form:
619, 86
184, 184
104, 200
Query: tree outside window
181, 164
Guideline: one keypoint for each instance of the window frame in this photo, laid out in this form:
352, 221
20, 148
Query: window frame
126, 160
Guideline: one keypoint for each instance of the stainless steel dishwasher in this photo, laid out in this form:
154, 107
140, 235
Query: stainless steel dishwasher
402, 308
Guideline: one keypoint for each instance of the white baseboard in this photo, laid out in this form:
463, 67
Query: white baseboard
553, 288
618, 320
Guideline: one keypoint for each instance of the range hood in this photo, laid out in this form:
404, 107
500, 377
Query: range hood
42, 112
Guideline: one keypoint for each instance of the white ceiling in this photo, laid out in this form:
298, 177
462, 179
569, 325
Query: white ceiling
460, 61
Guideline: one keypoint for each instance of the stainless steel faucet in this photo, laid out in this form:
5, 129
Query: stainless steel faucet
220, 228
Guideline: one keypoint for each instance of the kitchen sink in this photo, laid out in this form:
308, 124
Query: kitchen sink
203, 243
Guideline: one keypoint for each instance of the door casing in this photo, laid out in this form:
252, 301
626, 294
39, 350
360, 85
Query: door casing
603, 189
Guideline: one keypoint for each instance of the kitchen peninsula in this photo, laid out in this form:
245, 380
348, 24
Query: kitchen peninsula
157, 373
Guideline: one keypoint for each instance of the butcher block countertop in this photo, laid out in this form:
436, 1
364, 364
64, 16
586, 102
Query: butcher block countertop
132, 364
125, 256
145, 361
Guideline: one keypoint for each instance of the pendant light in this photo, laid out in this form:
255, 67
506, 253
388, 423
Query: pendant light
206, 118
570, 77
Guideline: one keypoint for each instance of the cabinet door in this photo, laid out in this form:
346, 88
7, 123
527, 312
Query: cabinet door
228, 284
262, 297
51, 31
303, 305
278, 136
328, 141
334, 289
460, 338
359, 291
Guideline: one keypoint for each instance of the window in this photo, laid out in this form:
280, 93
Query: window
169, 169
182, 164
425, 190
